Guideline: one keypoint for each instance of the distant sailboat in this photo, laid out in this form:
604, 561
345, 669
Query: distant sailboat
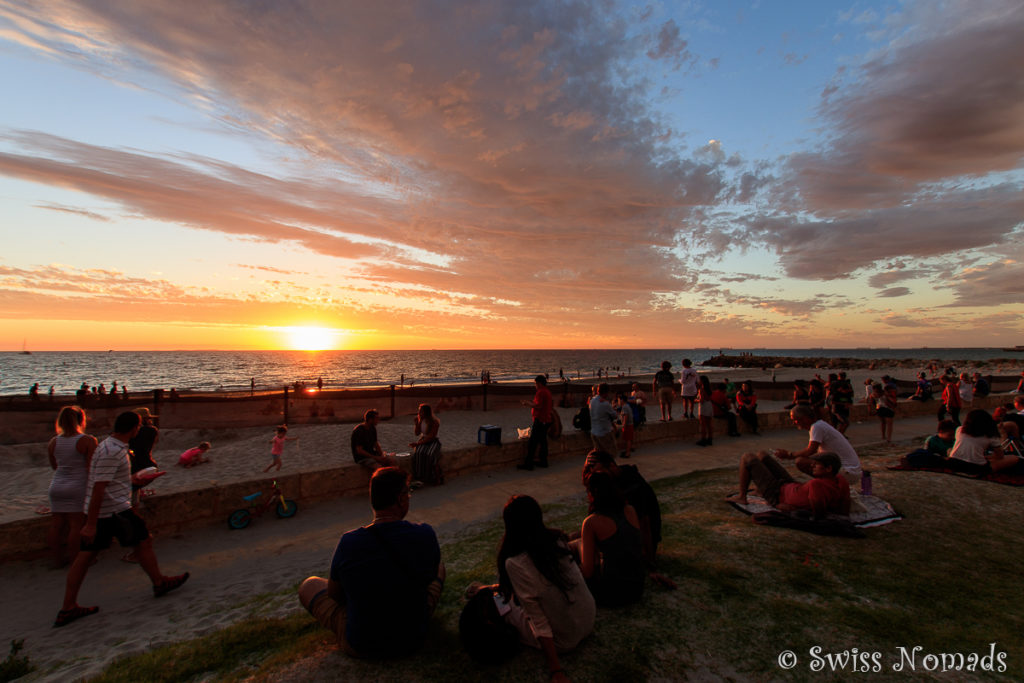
24, 349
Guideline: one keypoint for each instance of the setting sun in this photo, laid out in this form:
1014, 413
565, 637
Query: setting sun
311, 338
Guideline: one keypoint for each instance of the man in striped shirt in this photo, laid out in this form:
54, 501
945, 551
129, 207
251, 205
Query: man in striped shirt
109, 515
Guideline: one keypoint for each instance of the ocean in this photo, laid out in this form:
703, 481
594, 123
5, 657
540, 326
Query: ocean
232, 370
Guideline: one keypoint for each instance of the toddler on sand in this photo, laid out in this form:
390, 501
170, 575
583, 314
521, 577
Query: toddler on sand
277, 446
195, 456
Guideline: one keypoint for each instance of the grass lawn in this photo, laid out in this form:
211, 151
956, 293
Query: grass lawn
945, 580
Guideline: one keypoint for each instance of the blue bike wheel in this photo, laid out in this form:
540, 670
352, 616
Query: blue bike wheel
239, 519
287, 509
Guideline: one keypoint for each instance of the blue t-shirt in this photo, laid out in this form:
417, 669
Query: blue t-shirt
385, 582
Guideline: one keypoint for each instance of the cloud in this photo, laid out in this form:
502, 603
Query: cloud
946, 101
671, 46
951, 223
993, 284
75, 211
896, 272
893, 292
466, 165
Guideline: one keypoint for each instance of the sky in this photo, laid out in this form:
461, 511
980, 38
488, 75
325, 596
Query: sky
492, 174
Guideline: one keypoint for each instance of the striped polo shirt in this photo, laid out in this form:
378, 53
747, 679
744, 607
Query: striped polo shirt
110, 463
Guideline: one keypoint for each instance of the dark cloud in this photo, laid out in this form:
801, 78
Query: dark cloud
893, 292
896, 273
993, 284
950, 223
929, 108
670, 46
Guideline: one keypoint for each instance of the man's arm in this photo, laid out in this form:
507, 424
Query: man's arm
93, 513
811, 449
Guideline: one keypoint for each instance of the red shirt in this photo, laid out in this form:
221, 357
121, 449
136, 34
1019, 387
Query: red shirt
951, 395
719, 402
542, 404
820, 495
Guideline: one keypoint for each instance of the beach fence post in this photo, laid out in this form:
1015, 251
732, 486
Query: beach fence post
392, 401
286, 404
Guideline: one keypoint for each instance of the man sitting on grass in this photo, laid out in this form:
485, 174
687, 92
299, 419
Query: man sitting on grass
824, 494
823, 438
385, 579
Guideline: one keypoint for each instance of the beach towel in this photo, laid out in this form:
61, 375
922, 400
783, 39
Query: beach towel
996, 477
875, 512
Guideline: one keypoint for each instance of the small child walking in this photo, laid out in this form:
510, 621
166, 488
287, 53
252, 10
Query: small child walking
277, 446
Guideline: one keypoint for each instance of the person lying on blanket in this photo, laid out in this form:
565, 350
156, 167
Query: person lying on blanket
825, 493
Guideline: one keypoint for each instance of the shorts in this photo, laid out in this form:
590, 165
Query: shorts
127, 527
332, 615
605, 443
665, 394
769, 476
885, 412
627, 432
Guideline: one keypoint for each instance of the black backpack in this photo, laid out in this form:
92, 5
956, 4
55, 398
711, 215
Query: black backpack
487, 637
581, 420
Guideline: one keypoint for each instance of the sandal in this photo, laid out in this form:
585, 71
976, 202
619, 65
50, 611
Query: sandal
168, 584
66, 616
43, 510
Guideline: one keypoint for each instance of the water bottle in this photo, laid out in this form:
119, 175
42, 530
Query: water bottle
865, 483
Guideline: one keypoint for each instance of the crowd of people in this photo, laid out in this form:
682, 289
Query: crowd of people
386, 578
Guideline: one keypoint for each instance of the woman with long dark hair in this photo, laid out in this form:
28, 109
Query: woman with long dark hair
979, 449
611, 546
550, 604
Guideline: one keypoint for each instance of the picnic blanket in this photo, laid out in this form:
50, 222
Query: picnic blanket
997, 477
873, 511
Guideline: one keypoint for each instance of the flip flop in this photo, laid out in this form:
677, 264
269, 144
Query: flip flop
66, 616
168, 584
42, 510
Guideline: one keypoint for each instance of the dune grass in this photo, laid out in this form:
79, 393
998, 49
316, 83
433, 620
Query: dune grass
944, 580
